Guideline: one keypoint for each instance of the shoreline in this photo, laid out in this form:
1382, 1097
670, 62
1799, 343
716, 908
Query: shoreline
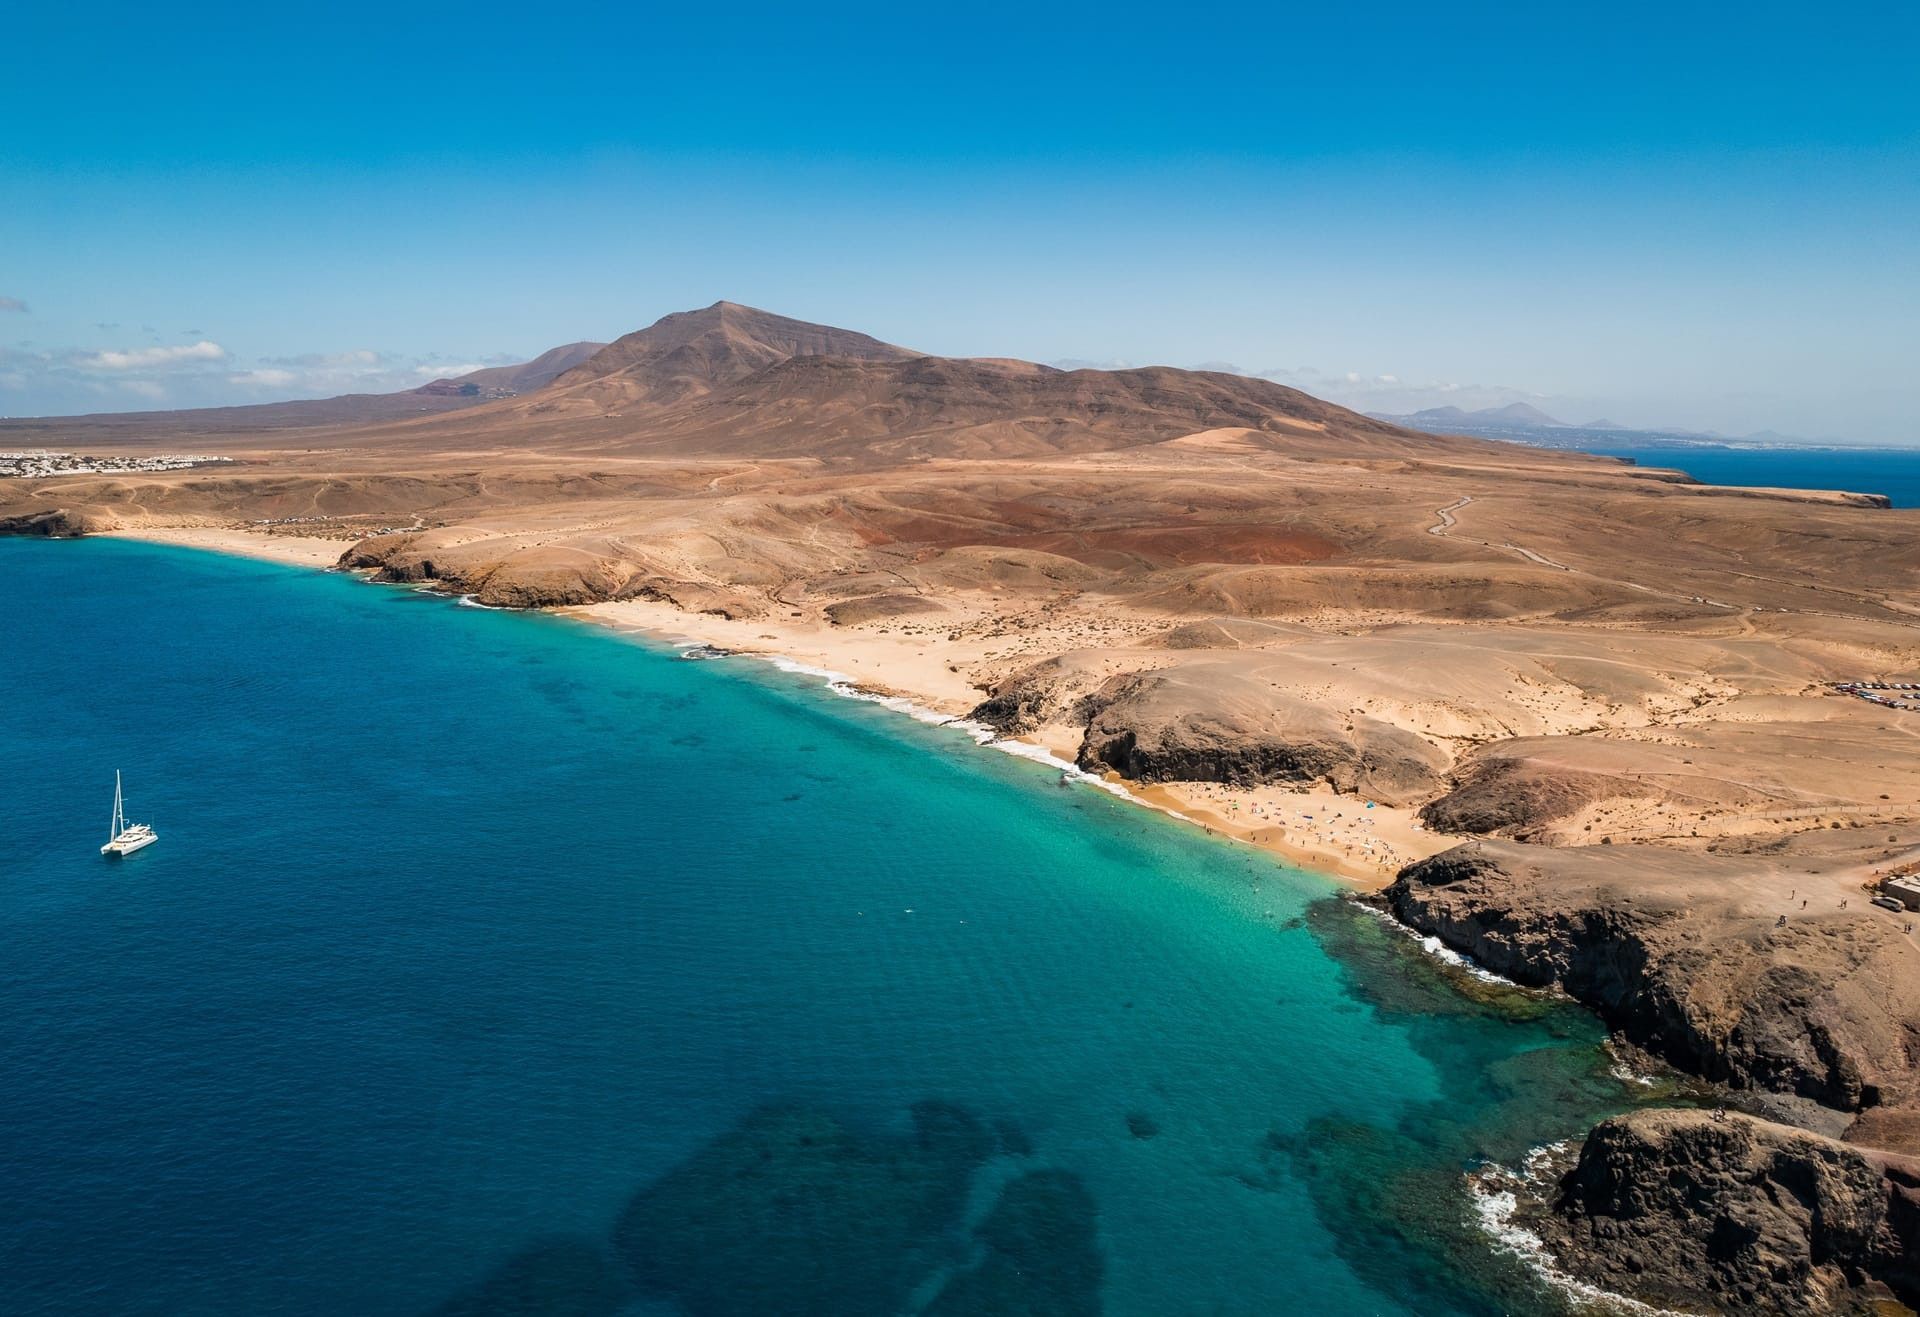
291, 550
1359, 844
1342, 840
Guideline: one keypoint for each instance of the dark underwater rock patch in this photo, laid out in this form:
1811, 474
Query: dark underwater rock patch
792, 1212
555, 1278
1042, 1254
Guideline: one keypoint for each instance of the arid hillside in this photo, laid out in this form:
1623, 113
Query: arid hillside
1253, 606
1175, 576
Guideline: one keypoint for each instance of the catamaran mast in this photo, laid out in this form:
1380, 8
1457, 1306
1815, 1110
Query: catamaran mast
118, 826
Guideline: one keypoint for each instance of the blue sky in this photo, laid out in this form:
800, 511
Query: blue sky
1677, 214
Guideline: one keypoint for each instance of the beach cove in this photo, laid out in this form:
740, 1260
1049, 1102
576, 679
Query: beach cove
1364, 847
478, 945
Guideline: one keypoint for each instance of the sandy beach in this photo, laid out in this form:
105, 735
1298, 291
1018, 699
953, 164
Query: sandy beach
1360, 841
948, 664
295, 550
1363, 843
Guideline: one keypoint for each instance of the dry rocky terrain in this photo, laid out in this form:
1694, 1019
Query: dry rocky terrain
1619, 680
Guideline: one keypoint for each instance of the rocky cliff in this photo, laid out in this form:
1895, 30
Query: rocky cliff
1503, 795
1822, 1008
1815, 1015
58, 523
502, 572
1206, 724
1677, 1207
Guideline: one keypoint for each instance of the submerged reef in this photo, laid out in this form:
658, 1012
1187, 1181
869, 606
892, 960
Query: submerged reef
791, 1211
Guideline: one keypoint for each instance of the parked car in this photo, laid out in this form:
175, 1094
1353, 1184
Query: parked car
1888, 903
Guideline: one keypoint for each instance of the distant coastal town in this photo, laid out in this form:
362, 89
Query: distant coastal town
1891, 694
41, 462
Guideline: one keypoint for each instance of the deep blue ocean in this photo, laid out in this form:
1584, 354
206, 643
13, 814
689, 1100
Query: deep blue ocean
490, 963
1893, 472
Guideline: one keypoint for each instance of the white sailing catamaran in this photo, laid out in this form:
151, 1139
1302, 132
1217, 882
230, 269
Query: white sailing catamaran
125, 838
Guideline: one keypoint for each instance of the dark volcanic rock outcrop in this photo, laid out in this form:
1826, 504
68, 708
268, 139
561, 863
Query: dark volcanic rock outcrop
1030, 698
1677, 1207
1505, 795
1825, 1008
58, 523
1200, 725
503, 573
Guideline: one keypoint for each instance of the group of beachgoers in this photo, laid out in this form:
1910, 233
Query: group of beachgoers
1348, 831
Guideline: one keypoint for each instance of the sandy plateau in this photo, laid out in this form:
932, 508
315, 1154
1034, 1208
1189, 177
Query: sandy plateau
1581, 715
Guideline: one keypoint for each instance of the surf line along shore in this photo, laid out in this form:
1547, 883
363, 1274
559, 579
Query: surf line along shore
1362, 843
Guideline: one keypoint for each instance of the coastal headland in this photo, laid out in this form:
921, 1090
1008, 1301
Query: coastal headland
1577, 719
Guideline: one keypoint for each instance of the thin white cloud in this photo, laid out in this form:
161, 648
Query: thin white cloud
446, 372
351, 359
62, 381
268, 377
154, 358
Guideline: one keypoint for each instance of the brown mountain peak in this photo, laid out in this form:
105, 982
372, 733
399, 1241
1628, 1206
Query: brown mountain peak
691, 353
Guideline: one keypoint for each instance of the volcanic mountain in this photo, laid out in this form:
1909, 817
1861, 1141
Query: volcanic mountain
733, 381
1640, 695
1513, 414
497, 381
690, 354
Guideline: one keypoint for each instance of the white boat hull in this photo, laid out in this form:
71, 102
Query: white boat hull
130, 841
125, 838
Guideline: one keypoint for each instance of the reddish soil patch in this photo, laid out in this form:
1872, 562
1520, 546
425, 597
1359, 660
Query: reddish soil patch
1182, 546
1028, 526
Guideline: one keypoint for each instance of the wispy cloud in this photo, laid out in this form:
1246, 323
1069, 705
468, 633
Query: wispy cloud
1395, 394
13, 304
203, 373
353, 358
154, 358
352, 370
266, 377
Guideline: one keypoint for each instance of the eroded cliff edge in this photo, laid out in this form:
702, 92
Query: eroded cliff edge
1814, 1019
1675, 1206
504, 572
1686, 956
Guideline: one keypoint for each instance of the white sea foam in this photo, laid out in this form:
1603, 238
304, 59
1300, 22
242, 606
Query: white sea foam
1625, 1073
1439, 950
848, 688
1498, 1210
1435, 947
468, 601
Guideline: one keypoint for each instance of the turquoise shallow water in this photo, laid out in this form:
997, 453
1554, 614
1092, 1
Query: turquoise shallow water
488, 963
